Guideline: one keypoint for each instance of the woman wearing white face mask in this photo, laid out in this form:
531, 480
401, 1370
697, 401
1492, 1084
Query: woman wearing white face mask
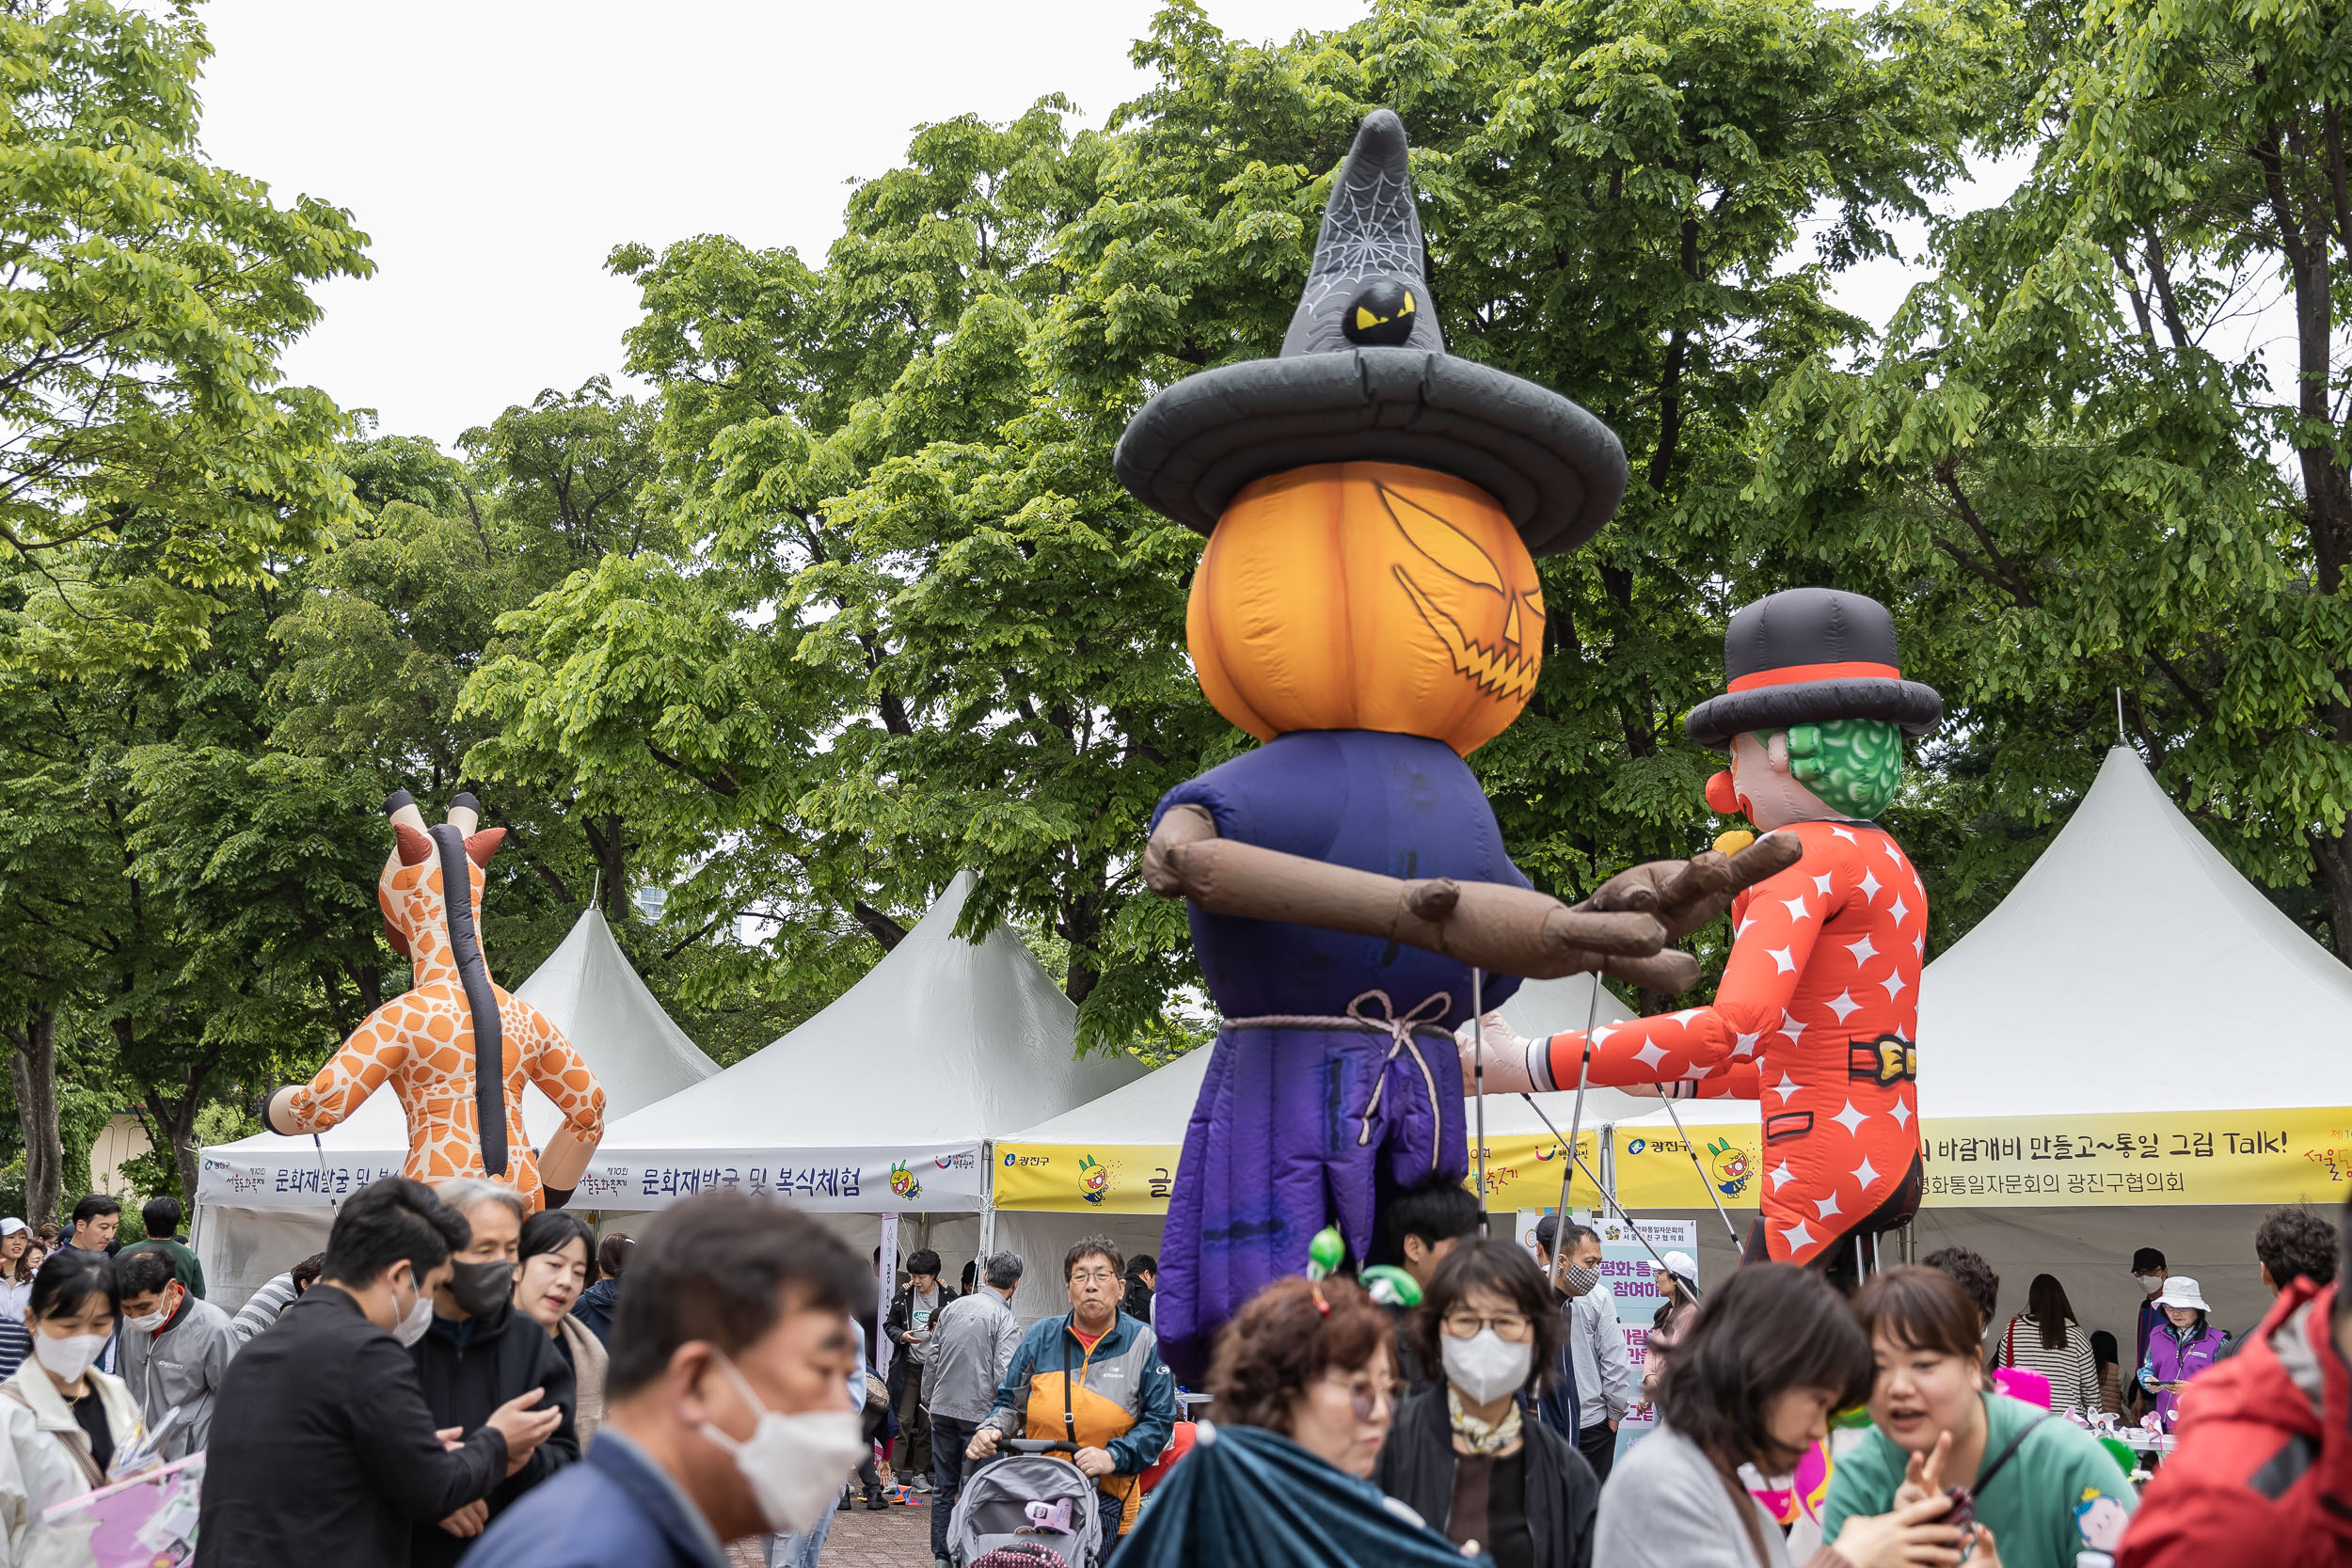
1469, 1455
61, 1419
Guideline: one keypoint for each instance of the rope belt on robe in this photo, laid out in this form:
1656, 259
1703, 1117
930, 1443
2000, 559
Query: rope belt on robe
1423, 1020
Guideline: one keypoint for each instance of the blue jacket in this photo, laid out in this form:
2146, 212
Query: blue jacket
1125, 1369
611, 1510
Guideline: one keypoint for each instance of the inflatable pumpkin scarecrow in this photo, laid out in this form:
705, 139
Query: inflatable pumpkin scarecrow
1819, 1009
1367, 605
456, 1048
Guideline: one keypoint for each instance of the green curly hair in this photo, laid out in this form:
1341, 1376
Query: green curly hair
1855, 765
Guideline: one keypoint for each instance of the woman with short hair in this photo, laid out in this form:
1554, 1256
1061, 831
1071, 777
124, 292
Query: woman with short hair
595, 1307
556, 1267
1467, 1454
2044, 1487
1770, 1355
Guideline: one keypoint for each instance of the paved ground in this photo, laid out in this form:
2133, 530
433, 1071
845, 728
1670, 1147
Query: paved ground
896, 1538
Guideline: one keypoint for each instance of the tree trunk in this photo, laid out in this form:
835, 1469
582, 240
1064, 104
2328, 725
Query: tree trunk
606, 843
172, 1123
33, 1069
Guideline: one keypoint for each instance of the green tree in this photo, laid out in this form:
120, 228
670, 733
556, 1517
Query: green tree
911, 624
2062, 463
177, 889
151, 460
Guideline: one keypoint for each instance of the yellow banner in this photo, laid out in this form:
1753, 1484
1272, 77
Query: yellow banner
2205, 1157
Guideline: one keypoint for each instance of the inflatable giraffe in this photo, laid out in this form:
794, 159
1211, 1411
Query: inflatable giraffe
434, 1042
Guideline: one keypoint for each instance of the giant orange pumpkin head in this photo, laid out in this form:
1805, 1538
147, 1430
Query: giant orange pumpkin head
1367, 596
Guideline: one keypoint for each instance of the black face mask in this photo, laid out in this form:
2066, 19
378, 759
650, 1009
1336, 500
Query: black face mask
481, 1288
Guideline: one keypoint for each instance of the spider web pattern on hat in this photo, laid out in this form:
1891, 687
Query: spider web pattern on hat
1369, 230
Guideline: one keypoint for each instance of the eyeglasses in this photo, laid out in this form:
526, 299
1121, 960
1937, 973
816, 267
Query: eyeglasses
1093, 1276
1514, 1327
1364, 1397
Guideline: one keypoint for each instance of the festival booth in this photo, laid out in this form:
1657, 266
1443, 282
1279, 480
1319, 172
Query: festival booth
268, 1201
882, 1107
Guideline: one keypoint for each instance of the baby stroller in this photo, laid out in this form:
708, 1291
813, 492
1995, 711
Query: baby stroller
1032, 1508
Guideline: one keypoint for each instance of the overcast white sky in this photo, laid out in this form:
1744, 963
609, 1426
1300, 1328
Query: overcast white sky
495, 152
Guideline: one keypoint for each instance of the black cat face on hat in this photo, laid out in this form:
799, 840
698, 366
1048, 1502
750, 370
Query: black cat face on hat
1364, 376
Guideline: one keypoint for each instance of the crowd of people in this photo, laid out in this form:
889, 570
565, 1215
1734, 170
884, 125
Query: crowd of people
454, 1379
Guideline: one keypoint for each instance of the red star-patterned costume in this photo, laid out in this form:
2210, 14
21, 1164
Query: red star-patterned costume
1816, 1019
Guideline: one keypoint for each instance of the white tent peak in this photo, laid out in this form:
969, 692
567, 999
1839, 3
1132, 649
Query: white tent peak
588, 990
944, 1040
2132, 970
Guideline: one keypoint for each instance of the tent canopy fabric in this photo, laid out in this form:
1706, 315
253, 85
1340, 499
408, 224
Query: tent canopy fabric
2132, 970
943, 1042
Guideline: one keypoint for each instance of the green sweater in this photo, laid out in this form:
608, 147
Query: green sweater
2060, 1495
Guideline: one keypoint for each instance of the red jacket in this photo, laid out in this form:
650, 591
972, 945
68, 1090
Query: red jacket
2264, 1472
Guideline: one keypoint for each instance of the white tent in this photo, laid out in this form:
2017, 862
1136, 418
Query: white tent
259, 1199
883, 1102
1152, 1113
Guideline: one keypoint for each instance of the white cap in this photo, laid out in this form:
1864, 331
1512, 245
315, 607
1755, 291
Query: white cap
11, 1225
1682, 1268
2181, 1291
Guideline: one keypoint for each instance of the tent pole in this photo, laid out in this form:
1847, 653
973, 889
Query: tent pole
1688, 1148
988, 1202
1478, 1073
1576, 1120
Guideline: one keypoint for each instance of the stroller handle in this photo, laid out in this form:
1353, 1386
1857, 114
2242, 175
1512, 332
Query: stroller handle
1024, 1445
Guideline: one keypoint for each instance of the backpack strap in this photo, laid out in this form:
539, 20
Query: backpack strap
2009, 1451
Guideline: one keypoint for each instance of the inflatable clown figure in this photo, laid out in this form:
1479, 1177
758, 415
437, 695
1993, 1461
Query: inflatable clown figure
1818, 1007
456, 1048
1367, 605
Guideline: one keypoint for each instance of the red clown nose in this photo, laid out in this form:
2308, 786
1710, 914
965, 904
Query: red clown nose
1722, 798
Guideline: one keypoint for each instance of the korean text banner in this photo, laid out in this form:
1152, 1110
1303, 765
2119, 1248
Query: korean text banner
851, 1180
2203, 1157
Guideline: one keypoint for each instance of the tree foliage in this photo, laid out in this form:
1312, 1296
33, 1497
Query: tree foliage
149, 457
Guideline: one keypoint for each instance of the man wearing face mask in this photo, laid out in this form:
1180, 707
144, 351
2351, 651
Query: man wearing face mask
479, 1353
322, 1448
1602, 1367
175, 1350
727, 1402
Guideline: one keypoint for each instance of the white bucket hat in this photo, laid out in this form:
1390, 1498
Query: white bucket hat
2181, 1291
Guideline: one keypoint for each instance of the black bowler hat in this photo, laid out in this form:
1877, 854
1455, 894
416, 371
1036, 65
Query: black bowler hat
1364, 376
1807, 656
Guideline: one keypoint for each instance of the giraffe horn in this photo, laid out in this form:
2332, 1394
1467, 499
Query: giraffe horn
464, 814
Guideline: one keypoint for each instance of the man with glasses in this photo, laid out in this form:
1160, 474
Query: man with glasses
1092, 1376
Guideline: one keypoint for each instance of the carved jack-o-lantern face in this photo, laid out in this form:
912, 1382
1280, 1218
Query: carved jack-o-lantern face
1367, 596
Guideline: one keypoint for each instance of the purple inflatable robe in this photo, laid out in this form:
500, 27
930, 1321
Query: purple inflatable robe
1335, 1081
1337, 1118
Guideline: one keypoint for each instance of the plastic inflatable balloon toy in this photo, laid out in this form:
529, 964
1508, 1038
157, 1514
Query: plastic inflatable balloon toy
1368, 605
1817, 1013
456, 1047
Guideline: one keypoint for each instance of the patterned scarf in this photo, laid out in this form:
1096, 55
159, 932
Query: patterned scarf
1478, 1436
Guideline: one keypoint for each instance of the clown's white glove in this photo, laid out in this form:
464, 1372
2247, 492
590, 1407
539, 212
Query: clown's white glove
1506, 1052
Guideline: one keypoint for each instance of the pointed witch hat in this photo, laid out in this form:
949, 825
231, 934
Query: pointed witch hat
1364, 375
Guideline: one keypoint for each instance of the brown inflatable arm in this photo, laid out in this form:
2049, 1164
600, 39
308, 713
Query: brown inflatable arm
1508, 931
